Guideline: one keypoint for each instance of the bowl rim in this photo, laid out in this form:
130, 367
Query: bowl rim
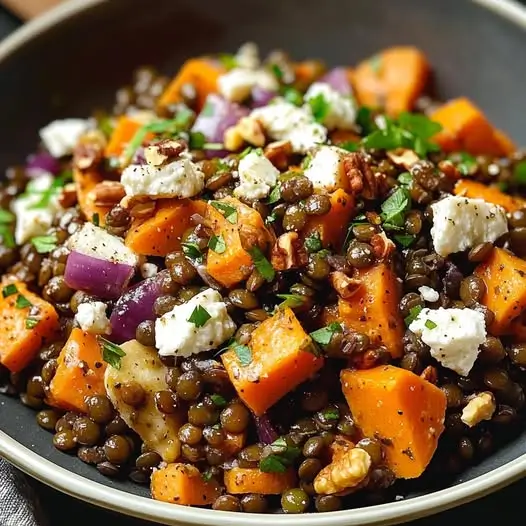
120, 501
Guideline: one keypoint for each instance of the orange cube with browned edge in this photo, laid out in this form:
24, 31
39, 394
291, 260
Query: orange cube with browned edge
490, 194
240, 481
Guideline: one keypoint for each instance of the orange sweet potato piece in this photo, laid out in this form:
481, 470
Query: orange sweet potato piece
202, 73
18, 343
373, 309
162, 233
400, 407
282, 358
393, 79
332, 226
491, 194
80, 372
85, 183
307, 72
235, 263
183, 484
123, 133
252, 480
466, 128
505, 277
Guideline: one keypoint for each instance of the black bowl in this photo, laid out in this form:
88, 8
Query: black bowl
76, 57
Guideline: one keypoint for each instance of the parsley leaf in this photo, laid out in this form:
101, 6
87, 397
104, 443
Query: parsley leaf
227, 210
262, 264
45, 244
291, 300
228, 60
320, 107
364, 120
9, 290
197, 140
519, 173
218, 400
358, 220
199, 316
6, 216
331, 414
49, 193
282, 457
217, 244
313, 242
468, 164
31, 323
430, 324
192, 251
22, 302
324, 335
413, 314
404, 239
243, 353
95, 219
207, 475
405, 179
350, 146
292, 95
394, 208
275, 195
111, 353
278, 72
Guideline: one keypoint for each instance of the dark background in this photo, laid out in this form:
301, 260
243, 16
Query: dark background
502, 506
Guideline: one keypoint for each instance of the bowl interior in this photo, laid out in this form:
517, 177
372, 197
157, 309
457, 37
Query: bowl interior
76, 66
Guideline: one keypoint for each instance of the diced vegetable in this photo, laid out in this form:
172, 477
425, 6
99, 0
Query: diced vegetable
307, 72
281, 357
85, 182
393, 78
505, 277
201, 73
161, 234
234, 443
123, 133
373, 309
491, 194
142, 366
339, 79
42, 162
266, 432
20, 341
80, 372
402, 409
332, 226
239, 226
183, 484
252, 480
466, 128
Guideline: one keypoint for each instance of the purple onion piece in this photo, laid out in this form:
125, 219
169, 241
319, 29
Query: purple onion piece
134, 307
338, 79
99, 277
40, 163
261, 97
266, 432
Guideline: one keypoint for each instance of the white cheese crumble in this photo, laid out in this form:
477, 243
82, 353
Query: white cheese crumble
285, 122
31, 222
180, 178
454, 336
61, 136
148, 270
480, 407
247, 56
257, 176
326, 170
429, 294
236, 85
460, 223
92, 318
341, 109
176, 336
94, 241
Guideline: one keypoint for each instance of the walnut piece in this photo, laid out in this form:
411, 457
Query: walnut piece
89, 151
345, 286
68, 195
233, 140
362, 180
480, 407
430, 374
382, 246
107, 193
403, 157
288, 252
164, 151
278, 153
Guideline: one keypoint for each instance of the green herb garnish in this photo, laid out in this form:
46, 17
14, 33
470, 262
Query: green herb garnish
22, 302
228, 60
9, 290
331, 414
49, 193
262, 264
275, 195
192, 251
413, 314
207, 475
278, 72
227, 210
395, 207
324, 335
305, 162
243, 353
7, 236
291, 300
430, 324
405, 179
45, 244
111, 352
320, 107
349, 146
31, 323
95, 219
281, 459
404, 239
358, 220
313, 242
519, 173
218, 400
467, 164
364, 120
217, 244
6, 216
292, 95
199, 316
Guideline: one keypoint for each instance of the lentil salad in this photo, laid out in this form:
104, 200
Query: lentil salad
255, 240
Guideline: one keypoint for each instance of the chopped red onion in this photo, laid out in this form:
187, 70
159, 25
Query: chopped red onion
266, 432
40, 163
338, 79
99, 277
134, 307
261, 96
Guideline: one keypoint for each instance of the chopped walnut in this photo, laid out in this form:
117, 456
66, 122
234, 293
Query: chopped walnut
232, 139
164, 151
480, 407
346, 471
430, 374
107, 193
68, 195
143, 210
362, 180
382, 246
345, 286
289, 252
278, 154
250, 237
251, 130
89, 152
403, 157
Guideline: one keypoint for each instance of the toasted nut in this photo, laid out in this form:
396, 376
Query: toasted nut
89, 151
338, 137
403, 157
250, 237
430, 374
362, 179
251, 131
107, 193
345, 286
480, 407
382, 245
163, 151
278, 154
449, 170
143, 210
232, 139
288, 252
344, 472
68, 196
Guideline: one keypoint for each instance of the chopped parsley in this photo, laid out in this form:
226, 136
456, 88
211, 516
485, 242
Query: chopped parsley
45, 244
413, 314
46, 195
282, 457
405, 240
394, 209
405, 179
358, 220
320, 107
217, 244
228, 60
218, 400
467, 164
278, 72
22, 302
6, 216
519, 173
305, 163
313, 242
324, 335
9, 290
243, 353
95, 219
199, 316
350, 146
292, 95
111, 352
275, 195
192, 251
208, 109
331, 414
364, 120
430, 324
291, 300
227, 210
31, 323
207, 475
262, 264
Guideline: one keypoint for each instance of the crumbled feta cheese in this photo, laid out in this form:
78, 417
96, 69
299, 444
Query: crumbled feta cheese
454, 336
176, 336
247, 56
428, 294
460, 223
326, 170
257, 175
148, 270
236, 85
92, 318
61, 136
285, 122
480, 407
180, 178
31, 222
94, 241
341, 109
